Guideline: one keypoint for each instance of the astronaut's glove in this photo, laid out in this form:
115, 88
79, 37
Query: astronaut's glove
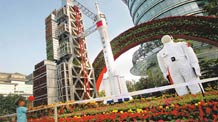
197, 70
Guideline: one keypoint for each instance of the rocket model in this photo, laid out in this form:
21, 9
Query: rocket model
115, 86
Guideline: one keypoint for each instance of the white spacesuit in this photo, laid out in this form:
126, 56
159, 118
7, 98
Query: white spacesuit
179, 63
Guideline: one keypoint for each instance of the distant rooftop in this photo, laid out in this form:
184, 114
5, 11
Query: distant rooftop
12, 77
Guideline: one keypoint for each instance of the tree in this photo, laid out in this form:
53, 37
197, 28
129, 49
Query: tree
211, 7
130, 86
154, 79
140, 84
7, 104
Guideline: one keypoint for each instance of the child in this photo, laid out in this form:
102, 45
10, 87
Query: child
21, 111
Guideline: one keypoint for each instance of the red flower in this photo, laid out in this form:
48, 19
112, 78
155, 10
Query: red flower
214, 108
205, 120
69, 119
215, 118
61, 119
174, 112
194, 95
124, 116
201, 113
208, 110
202, 103
191, 107
167, 101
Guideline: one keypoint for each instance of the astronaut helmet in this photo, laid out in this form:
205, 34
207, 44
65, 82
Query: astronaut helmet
166, 39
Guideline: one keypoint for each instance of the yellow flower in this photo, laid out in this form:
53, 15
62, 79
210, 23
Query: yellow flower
167, 107
130, 110
160, 107
121, 112
196, 104
172, 105
115, 111
142, 99
77, 116
139, 110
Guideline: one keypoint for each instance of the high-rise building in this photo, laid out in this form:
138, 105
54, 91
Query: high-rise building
52, 43
44, 83
147, 10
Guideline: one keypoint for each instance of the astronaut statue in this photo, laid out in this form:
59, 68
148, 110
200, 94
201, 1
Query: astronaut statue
179, 64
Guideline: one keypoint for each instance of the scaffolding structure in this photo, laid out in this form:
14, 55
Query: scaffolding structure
75, 75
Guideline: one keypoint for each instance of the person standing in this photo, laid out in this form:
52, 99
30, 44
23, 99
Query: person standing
21, 111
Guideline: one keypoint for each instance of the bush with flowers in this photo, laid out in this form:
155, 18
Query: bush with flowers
189, 108
165, 108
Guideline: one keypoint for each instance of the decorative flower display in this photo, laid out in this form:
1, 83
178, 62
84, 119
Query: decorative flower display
199, 28
166, 108
188, 108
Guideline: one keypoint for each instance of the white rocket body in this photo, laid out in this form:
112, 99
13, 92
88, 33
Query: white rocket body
116, 84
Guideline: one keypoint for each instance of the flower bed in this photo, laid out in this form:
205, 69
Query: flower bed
166, 108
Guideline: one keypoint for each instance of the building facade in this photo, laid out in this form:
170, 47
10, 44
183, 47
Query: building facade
146, 10
15, 83
44, 83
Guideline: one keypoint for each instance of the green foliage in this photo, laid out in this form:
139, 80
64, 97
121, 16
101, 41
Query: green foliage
209, 68
7, 104
212, 7
154, 79
141, 84
101, 93
130, 86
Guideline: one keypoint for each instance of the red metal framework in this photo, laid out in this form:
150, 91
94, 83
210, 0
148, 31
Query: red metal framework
82, 52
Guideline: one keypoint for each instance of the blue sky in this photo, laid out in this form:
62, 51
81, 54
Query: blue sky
22, 30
